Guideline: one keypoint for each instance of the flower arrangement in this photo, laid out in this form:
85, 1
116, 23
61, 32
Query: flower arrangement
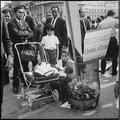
82, 96
82, 92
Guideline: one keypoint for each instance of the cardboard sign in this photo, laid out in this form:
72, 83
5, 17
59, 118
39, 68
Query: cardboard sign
96, 44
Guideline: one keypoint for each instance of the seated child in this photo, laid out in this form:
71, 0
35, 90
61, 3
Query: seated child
66, 67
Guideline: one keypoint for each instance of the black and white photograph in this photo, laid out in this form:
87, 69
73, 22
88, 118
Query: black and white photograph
60, 60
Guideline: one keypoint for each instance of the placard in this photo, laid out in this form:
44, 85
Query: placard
96, 44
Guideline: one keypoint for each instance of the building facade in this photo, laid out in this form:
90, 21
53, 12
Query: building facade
95, 9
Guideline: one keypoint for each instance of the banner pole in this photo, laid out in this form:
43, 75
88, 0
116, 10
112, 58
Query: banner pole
72, 37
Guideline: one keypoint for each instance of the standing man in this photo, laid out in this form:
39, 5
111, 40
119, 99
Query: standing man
60, 29
19, 31
6, 47
112, 51
32, 24
6, 13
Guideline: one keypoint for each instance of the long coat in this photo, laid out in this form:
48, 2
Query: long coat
60, 31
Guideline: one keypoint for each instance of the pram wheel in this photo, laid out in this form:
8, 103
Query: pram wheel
55, 94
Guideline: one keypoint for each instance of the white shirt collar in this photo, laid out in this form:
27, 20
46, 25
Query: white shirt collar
17, 20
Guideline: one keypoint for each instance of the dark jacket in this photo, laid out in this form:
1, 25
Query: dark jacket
60, 31
18, 33
6, 46
5, 41
32, 24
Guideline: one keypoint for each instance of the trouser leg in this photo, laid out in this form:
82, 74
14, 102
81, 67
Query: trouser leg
103, 65
2, 81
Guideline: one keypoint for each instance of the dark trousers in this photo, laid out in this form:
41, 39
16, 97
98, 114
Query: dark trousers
112, 53
2, 81
17, 74
60, 51
52, 54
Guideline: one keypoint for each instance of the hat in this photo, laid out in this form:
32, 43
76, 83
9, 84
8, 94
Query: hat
19, 7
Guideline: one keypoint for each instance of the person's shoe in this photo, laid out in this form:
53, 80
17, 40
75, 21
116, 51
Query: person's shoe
15, 90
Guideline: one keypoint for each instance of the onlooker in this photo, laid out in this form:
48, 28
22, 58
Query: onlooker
112, 51
101, 18
51, 45
32, 24
39, 31
49, 18
66, 67
60, 29
19, 31
48, 21
88, 22
44, 21
93, 24
6, 12
98, 20
6, 47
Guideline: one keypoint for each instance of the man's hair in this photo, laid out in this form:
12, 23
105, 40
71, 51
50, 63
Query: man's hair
4, 11
19, 7
102, 17
110, 13
88, 17
98, 20
55, 7
93, 21
49, 27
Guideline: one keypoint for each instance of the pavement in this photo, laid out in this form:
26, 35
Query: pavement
12, 108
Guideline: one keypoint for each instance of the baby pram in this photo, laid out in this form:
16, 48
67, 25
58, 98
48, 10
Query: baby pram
29, 51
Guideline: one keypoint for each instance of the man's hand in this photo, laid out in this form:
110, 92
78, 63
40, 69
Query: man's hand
9, 63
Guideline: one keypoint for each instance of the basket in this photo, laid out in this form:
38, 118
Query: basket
83, 104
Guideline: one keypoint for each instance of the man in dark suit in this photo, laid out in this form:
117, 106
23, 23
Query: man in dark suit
19, 31
60, 29
6, 47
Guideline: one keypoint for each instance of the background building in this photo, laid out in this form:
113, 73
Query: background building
40, 9
95, 9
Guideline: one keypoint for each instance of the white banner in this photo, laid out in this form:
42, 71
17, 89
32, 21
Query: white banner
74, 17
96, 44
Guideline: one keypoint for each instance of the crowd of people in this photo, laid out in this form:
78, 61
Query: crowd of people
51, 32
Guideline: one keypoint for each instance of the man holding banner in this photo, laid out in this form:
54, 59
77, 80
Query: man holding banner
112, 51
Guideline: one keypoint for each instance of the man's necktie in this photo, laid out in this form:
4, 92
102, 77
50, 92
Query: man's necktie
53, 21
